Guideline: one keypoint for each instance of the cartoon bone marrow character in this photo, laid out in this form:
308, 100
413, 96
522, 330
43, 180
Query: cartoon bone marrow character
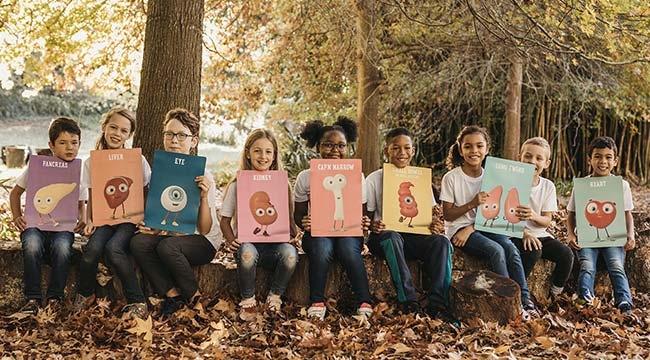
263, 211
408, 207
511, 204
116, 191
173, 199
490, 209
600, 214
48, 197
335, 185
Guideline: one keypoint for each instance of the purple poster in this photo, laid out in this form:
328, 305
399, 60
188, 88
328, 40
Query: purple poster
52, 199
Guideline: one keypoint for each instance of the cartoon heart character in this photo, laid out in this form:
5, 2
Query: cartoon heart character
600, 214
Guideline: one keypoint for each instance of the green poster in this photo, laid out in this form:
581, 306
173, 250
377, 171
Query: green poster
600, 211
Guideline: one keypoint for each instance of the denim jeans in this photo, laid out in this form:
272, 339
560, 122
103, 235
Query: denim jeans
321, 251
615, 261
56, 248
280, 258
113, 242
502, 255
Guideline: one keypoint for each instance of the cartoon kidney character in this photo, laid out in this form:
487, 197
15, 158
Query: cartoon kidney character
490, 209
48, 197
600, 214
116, 191
408, 207
510, 205
263, 211
335, 185
173, 199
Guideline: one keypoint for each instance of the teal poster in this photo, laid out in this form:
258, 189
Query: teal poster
600, 211
509, 184
173, 198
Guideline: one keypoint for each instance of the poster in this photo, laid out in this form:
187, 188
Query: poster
52, 199
509, 184
600, 211
407, 199
335, 197
173, 198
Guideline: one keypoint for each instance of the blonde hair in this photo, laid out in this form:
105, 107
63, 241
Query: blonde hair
539, 141
245, 162
101, 143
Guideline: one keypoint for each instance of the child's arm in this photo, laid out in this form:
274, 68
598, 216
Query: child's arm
81, 217
526, 213
204, 222
301, 216
16, 211
629, 225
89, 229
226, 229
451, 212
570, 228
436, 226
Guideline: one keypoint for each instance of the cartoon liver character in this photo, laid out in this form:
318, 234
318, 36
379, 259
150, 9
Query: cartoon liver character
263, 211
510, 205
173, 199
335, 185
116, 191
408, 207
48, 197
600, 214
490, 209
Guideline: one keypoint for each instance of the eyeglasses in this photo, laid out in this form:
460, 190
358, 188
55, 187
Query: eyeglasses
329, 146
180, 136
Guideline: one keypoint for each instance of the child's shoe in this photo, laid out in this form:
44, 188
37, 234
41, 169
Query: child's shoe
365, 309
273, 302
170, 305
82, 302
586, 300
31, 307
531, 309
248, 308
625, 307
317, 311
136, 310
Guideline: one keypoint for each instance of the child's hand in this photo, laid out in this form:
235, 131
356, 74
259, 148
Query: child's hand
480, 199
89, 229
436, 226
79, 228
630, 244
365, 223
377, 226
20, 223
204, 183
306, 222
462, 235
531, 242
143, 229
524, 212
232, 246
573, 241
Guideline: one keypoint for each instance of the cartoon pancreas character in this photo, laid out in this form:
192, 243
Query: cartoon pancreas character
116, 191
490, 209
48, 197
600, 214
335, 185
173, 199
408, 207
511, 204
263, 211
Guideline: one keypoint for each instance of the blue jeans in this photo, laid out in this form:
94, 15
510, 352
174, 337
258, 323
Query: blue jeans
56, 248
502, 255
615, 262
113, 242
280, 258
321, 251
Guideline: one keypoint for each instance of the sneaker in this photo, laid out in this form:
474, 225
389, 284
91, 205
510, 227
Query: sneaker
525, 316
82, 302
274, 302
54, 303
248, 308
31, 307
365, 309
317, 311
625, 307
444, 315
410, 307
531, 309
134, 310
586, 300
170, 305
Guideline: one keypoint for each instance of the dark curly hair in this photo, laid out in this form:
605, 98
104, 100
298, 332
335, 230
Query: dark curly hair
602, 142
314, 130
454, 158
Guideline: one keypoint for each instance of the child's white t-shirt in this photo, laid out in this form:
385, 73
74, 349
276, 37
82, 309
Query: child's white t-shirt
21, 181
85, 172
458, 188
542, 198
375, 192
301, 190
627, 197
229, 206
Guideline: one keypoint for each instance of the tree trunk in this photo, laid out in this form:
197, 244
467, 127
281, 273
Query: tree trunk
485, 295
513, 109
171, 67
368, 80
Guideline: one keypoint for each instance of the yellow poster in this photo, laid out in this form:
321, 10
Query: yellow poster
407, 199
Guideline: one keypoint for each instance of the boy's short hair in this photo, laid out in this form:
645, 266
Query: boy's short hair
539, 141
63, 124
398, 131
602, 142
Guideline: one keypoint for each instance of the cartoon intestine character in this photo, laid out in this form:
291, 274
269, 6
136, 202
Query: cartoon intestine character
116, 191
263, 211
173, 199
490, 209
335, 185
48, 197
510, 205
408, 207
600, 214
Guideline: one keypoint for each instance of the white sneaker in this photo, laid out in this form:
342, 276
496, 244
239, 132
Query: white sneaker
274, 302
317, 311
365, 309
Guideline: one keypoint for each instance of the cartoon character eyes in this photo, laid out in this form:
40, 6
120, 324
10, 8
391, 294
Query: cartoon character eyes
123, 187
270, 211
511, 210
486, 206
110, 190
494, 206
48, 200
592, 208
608, 208
259, 212
408, 200
176, 195
39, 200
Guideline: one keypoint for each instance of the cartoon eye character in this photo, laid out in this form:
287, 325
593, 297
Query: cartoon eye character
335, 185
490, 209
600, 214
116, 191
408, 207
511, 204
263, 211
173, 199
48, 197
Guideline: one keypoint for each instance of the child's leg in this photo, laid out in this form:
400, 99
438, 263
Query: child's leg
555, 251
348, 253
587, 258
282, 260
118, 259
33, 243
515, 267
143, 248
90, 258
480, 246
60, 243
247, 256
528, 257
320, 252
390, 246
615, 261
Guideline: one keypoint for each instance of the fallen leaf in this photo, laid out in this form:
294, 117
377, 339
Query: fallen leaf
142, 327
400, 348
501, 349
545, 342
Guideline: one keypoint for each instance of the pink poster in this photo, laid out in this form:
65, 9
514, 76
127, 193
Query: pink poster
262, 206
335, 197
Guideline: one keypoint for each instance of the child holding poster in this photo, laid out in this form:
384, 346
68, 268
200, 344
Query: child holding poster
536, 242
603, 158
435, 251
167, 258
331, 142
460, 195
64, 140
260, 154
112, 241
